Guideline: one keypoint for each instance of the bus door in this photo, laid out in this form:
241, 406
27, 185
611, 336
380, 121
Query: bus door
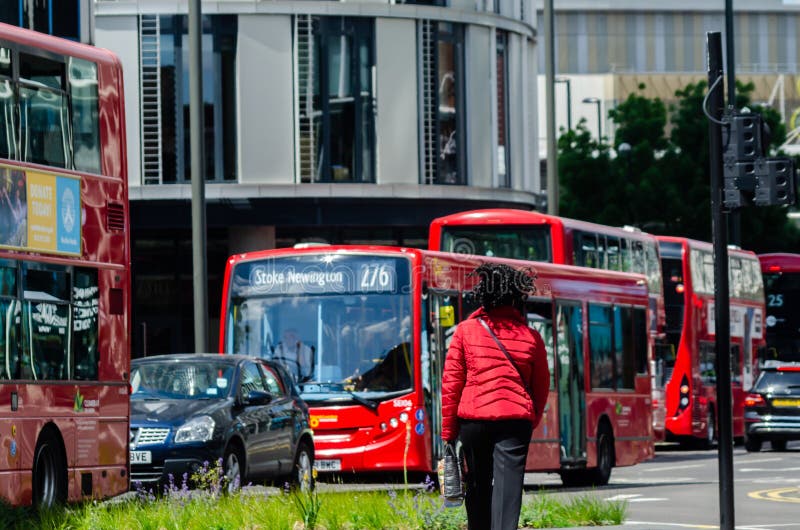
441, 325
545, 444
570, 383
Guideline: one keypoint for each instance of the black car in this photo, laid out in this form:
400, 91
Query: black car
772, 408
191, 410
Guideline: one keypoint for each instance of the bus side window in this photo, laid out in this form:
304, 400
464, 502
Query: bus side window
44, 111
85, 306
85, 114
613, 253
586, 250
9, 323
46, 322
601, 365
708, 360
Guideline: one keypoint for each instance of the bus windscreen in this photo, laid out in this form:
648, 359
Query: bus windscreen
339, 323
782, 291
526, 242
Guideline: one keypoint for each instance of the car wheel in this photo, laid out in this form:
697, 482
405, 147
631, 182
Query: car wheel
778, 445
49, 473
303, 469
233, 468
752, 444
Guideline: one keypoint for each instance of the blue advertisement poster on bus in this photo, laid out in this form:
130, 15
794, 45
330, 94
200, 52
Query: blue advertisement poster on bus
39, 211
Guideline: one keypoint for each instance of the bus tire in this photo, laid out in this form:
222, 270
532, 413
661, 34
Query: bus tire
752, 443
605, 456
49, 473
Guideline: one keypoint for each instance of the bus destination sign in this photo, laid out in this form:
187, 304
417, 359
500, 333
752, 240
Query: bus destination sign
328, 274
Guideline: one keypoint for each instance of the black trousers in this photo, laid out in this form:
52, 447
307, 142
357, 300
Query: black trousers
495, 453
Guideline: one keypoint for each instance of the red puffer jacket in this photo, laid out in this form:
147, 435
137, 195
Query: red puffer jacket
479, 383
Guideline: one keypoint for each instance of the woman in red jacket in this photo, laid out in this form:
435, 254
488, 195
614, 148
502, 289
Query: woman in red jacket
494, 390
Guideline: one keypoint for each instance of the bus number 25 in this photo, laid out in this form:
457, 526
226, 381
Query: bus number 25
775, 300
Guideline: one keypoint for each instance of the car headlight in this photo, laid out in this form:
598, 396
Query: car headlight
199, 429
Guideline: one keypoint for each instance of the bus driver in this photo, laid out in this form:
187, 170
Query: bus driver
294, 354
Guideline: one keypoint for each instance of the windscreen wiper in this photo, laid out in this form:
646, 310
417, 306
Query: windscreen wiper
372, 405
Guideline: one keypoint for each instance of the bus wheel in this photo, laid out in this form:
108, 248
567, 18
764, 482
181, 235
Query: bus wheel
605, 456
752, 444
49, 472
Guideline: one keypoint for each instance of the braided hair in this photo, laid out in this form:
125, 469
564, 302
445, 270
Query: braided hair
501, 285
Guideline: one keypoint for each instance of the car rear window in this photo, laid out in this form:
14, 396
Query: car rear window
775, 381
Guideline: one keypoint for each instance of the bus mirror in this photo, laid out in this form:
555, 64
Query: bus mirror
447, 316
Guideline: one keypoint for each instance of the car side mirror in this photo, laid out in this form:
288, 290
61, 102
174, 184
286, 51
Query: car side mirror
256, 398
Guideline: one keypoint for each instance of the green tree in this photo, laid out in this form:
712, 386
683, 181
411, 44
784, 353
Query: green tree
661, 184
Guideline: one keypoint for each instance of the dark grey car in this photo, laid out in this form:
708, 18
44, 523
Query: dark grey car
772, 408
190, 410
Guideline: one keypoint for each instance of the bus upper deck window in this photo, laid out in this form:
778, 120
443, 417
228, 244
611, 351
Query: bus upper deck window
85, 115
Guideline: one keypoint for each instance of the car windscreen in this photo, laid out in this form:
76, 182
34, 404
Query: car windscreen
339, 323
772, 382
182, 380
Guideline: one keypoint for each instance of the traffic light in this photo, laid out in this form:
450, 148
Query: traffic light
750, 176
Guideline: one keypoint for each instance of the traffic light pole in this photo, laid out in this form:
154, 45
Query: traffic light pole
722, 328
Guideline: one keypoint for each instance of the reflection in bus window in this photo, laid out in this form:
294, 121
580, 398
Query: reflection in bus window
361, 341
85, 307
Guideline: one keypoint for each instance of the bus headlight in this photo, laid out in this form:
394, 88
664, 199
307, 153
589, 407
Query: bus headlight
404, 417
199, 429
393, 422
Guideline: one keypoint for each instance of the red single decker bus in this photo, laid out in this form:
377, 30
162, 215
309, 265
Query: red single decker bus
781, 274
689, 365
64, 271
377, 322
530, 235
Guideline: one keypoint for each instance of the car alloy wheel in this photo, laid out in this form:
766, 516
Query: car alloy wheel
233, 469
304, 468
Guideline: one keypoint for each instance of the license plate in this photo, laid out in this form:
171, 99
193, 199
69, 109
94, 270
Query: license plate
328, 465
141, 457
786, 402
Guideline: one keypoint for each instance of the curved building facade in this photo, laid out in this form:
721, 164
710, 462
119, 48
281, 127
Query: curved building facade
346, 122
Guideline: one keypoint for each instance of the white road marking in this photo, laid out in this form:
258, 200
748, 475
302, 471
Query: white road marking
761, 461
749, 469
670, 468
636, 497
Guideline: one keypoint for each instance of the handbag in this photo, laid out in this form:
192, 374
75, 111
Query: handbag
451, 476
503, 349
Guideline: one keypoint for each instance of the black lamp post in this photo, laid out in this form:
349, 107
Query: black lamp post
596, 101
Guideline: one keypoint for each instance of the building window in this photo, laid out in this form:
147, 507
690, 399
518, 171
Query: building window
442, 65
56, 17
335, 91
503, 159
172, 97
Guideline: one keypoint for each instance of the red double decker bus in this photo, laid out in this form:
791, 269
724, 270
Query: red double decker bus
690, 372
530, 235
64, 271
377, 322
781, 273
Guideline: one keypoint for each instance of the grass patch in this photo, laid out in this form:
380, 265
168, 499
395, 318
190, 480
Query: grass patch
374, 510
